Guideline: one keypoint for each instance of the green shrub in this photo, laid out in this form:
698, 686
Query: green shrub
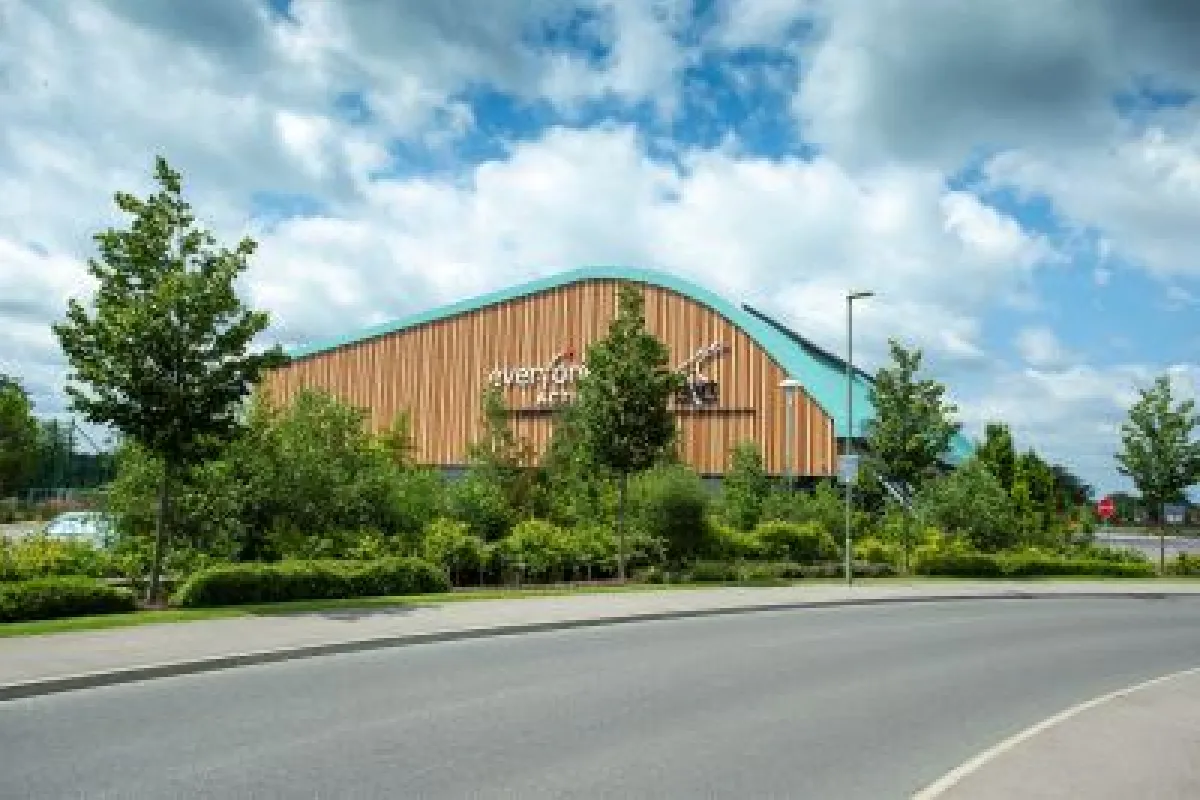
1027, 565
745, 487
775, 572
481, 503
877, 551
805, 543
42, 556
539, 548
960, 565
712, 572
1185, 564
451, 545
593, 548
235, 584
51, 598
670, 504
970, 501
1023, 566
727, 542
824, 505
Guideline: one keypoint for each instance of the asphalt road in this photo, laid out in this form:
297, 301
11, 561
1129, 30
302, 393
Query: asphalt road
869, 702
1173, 545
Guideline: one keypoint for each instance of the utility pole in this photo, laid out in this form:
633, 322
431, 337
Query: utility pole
849, 478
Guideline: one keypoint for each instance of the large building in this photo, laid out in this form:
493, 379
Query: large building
530, 340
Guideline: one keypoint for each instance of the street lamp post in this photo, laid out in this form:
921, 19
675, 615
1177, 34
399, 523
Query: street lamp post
849, 478
789, 386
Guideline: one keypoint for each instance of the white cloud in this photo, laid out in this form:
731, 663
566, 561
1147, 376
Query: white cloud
790, 236
1144, 193
1071, 414
1178, 296
1041, 349
756, 23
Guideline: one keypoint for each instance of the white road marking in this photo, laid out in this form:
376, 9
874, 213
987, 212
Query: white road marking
956, 775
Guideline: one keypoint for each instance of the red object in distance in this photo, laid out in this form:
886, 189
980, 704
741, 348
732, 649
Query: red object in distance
1106, 508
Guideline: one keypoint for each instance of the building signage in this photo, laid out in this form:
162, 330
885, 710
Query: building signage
699, 390
554, 383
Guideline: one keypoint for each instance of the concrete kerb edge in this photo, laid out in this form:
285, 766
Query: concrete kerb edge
68, 683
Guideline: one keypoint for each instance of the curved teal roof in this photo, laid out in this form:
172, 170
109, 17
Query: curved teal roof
824, 380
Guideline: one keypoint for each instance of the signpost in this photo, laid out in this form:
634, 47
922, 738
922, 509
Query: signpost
1106, 509
848, 468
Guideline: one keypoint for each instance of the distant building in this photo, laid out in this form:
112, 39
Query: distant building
530, 340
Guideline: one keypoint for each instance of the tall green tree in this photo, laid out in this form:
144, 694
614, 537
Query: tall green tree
1159, 449
745, 487
624, 419
998, 454
162, 353
913, 424
18, 436
971, 502
1073, 490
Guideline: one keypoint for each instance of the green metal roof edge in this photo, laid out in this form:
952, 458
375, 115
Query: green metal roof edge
961, 447
823, 384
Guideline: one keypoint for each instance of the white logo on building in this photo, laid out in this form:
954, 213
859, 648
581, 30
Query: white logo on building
555, 382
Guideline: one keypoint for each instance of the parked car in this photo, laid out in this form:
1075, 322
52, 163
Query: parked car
95, 527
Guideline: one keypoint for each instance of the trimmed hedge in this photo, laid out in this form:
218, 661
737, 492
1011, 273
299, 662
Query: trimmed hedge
1027, 565
777, 571
63, 596
237, 584
1184, 564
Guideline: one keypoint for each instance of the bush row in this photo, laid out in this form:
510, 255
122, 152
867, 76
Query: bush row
235, 584
1027, 565
41, 556
1185, 565
50, 598
764, 572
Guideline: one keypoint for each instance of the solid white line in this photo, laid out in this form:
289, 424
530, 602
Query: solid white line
952, 778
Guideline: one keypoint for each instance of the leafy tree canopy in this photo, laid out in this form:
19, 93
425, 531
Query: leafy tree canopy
19, 437
163, 353
1159, 449
914, 424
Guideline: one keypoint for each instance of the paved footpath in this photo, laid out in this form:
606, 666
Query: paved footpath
62, 661
1141, 743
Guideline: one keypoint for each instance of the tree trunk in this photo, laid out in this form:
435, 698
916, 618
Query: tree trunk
621, 491
160, 536
1162, 540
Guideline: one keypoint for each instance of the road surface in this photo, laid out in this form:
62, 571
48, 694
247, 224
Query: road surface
860, 702
1173, 545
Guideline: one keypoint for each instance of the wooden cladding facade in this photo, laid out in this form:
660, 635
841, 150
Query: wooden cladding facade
438, 370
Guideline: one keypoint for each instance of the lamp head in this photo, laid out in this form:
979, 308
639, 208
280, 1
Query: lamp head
860, 295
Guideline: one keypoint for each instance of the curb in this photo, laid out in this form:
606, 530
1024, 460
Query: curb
88, 680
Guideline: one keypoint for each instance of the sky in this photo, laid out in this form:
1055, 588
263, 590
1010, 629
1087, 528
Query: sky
1018, 182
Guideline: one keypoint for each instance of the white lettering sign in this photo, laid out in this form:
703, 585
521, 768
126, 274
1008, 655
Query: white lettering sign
554, 382
551, 381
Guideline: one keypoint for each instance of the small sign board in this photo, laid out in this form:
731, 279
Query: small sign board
848, 468
1174, 514
1106, 508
